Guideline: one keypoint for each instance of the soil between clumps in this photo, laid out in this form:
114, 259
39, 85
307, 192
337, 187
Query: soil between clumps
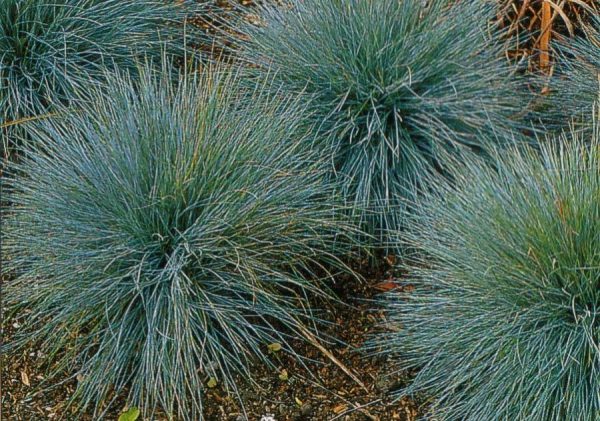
286, 392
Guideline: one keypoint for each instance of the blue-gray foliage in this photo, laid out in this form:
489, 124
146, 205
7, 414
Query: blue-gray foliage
395, 86
575, 86
504, 319
53, 51
168, 234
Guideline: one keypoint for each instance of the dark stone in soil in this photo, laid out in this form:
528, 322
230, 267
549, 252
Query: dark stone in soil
306, 410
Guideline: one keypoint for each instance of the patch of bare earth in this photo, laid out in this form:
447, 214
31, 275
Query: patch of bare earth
335, 382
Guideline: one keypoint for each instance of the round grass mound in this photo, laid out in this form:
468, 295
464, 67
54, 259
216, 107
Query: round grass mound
54, 50
394, 86
503, 322
168, 237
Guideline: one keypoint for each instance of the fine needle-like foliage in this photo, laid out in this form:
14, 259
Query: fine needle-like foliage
53, 51
395, 86
167, 235
575, 87
504, 320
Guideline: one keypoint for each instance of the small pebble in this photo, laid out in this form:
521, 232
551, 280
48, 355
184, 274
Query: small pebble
382, 383
283, 410
306, 410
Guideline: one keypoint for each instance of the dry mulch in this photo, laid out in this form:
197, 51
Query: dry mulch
287, 392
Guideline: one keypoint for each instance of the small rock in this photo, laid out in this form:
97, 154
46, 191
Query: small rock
306, 410
283, 410
382, 383
240, 418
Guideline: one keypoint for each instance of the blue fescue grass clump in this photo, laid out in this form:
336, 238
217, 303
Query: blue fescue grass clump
53, 50
575, 87
395, 85
504, 319
166, 235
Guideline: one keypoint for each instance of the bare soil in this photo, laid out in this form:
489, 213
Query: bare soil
316, 390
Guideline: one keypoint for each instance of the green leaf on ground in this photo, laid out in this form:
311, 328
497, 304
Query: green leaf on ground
274, 347
212, 382
131, 414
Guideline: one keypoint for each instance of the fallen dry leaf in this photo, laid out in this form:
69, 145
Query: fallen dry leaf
25, 378
338, 409
390, 259
386, 286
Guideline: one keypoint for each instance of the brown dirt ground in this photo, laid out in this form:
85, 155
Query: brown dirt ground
321, 393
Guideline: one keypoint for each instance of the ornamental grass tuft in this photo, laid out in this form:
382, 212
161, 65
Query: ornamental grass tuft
167, 237
52, 51
575, 87
395, 87
504, 319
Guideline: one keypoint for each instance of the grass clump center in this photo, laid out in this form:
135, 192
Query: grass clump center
167, 235
504, 319
396, 87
